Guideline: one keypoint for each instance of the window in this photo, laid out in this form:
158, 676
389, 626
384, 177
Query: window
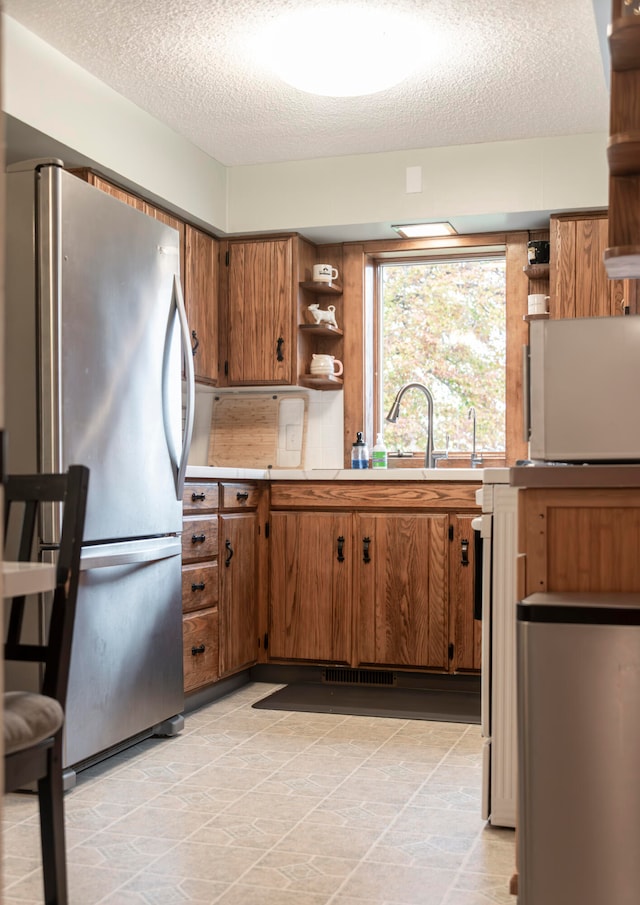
442, 323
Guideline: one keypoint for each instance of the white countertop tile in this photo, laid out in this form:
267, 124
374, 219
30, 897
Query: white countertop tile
342, 474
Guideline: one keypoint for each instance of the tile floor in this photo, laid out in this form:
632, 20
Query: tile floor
259, 807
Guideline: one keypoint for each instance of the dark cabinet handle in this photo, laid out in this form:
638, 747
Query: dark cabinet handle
279, 346
197, 650
242, 496
198, 496
198, 538
464, 549
229, 549
198, 587
366, 541
341, 549
196, 342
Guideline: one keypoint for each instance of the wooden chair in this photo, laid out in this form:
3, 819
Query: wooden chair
33, 723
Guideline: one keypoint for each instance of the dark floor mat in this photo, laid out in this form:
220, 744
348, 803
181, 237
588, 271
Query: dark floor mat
400, 703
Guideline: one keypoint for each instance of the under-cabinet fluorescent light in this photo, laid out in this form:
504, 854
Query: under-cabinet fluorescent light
424, 230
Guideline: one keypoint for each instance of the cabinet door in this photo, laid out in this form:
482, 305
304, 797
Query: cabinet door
465, 631
403, 567
260, 313
579, 283
311, 569
238, 598
201, 300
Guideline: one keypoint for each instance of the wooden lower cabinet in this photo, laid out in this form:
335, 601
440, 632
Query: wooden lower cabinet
238, 591
311, 568
378, 582
200, 648
200, 584
465, 631
402, 581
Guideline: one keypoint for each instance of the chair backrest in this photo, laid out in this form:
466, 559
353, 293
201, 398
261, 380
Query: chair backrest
25, 496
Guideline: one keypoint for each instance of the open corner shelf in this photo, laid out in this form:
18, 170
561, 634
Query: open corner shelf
321, 329
322, 288
623, 262
537, 271
624, 43
535, 317
329, 382
623, 154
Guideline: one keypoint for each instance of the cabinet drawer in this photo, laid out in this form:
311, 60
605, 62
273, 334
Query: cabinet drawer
199, 586
200, 497
200, 649
239, 496
199, 538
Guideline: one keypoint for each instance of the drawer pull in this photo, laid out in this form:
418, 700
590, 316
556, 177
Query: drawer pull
198, 538
198, 496
197, 650
242, 496
341, 549
366, 541
198, 587
229, 549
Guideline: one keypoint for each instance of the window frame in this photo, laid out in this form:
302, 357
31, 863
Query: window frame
435, 256
358, 268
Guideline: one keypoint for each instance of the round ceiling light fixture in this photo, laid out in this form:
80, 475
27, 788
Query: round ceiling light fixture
343, 51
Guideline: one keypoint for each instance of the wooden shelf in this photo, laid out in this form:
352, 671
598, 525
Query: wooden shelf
535, 317
623, 154
328, 382
537, 271
321, 329
322, 288
624, 43
623, 262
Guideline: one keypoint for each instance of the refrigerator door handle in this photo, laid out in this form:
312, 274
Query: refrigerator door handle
187, 358
123, 554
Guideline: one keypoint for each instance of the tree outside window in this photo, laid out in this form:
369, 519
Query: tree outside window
443, 324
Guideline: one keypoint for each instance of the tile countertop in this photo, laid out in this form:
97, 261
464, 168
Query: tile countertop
586, 476
328, 474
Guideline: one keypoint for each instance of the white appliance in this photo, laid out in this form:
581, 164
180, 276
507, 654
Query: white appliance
583, 376
96, 338
498, 527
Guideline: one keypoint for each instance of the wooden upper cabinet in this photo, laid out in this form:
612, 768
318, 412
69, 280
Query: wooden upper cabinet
260, 312
201, 300
579, 285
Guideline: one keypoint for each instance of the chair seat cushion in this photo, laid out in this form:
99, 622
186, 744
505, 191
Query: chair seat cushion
28, 719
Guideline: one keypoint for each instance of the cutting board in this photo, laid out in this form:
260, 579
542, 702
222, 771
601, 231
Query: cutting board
258, 430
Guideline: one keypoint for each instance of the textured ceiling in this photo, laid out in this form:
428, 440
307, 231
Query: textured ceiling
508, 69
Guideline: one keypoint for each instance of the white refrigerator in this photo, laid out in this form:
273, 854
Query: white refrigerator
96, 344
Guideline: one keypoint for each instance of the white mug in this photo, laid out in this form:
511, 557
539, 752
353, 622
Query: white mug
323, 365
537, 304
324, 273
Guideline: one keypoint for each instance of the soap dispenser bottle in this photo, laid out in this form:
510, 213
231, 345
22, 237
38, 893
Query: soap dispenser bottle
359, 453
379, 454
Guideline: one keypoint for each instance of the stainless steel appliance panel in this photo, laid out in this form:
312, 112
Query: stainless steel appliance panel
109, 336
584, 374
126, 664
579, 748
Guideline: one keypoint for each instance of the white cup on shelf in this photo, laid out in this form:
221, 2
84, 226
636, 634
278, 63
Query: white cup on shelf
325, 365
538, 304
324, 273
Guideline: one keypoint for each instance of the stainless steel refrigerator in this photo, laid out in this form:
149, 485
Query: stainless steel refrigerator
96, 344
